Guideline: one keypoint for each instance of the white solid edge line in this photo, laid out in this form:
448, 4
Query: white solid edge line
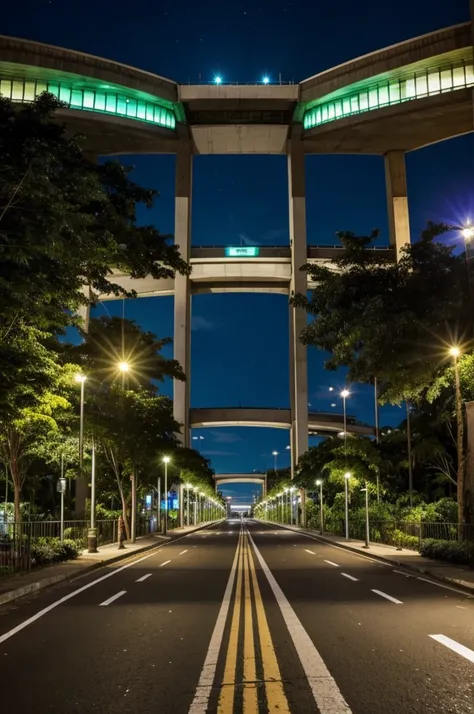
183, 552
351, 577
445, 587
309, 551
388, 597
47, 609
400, 572
326, 693
111, 599
329, 562
455, 646
144, 577
206, 680
165, 563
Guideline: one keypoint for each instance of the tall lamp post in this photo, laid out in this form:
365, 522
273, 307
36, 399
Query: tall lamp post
467, 233
455, 353
319, 483
166, 460
187, 487
367, 524
81, 379
344, 394
346, 484
92, 534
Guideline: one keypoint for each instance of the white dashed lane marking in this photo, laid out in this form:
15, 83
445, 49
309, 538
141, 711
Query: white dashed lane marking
454, 646
111, 599
388, 597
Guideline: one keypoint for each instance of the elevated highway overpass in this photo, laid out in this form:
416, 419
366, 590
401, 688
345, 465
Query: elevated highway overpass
397, 99
268, 270
319, 423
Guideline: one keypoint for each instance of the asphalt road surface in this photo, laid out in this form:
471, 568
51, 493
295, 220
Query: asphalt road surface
241, 618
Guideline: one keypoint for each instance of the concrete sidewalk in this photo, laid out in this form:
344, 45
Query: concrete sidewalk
460, 575
18, 585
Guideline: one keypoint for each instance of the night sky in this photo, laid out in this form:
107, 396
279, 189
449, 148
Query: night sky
240, 342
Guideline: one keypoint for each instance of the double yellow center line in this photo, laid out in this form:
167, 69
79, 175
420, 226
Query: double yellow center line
247, 602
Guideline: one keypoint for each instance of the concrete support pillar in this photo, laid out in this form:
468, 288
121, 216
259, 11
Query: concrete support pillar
182, 292
397, 200
298, 357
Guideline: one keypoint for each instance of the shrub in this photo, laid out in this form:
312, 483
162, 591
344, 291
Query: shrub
453, 551
45, 551
405, 541
76, 533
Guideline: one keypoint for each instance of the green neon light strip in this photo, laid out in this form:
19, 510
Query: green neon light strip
387, 92
102, 101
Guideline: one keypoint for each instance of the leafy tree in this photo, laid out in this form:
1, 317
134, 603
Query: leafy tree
360, 456
386, 320
22, 437
131, 427
392, 321
64, 222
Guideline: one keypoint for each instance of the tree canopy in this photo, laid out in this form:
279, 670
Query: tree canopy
393, 321
65, 222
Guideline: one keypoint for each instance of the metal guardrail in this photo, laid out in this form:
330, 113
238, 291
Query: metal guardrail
17, 539
403, 533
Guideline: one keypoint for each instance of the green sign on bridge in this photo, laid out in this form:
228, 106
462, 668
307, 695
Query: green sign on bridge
248, 251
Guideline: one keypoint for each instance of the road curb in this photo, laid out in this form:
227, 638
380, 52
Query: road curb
461, 584
43, 583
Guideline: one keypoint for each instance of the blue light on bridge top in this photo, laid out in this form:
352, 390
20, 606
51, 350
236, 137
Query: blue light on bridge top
247, 251
218, 79
266, 79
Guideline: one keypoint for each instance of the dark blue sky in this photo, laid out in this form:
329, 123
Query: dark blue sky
239, 342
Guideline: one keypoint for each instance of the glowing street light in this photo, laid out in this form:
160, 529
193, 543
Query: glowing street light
467, 231
218, 79
455, 352
124, 366
266, 79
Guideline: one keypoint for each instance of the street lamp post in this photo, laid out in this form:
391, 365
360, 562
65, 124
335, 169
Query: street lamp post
344, 394
455, 353
319, 483
166, 460
367, 524
188, 486
467, 233
346, 483
92, 534
158, 503
81, 379
410, 460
